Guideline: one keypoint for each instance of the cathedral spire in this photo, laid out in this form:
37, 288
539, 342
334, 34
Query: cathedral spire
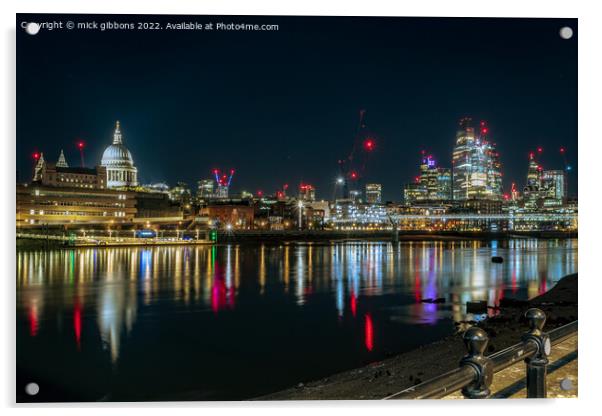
62, 162
117, 134
38, 171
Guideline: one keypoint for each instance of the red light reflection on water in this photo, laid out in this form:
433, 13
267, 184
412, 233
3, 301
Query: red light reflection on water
353, 304
369, 333
221, 296
417, 287
77, 324
33, 320
218, 295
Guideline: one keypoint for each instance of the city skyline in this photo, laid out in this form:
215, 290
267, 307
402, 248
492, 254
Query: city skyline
193, 102
223, 180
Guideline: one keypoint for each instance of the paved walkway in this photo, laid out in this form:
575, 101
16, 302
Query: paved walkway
510, 383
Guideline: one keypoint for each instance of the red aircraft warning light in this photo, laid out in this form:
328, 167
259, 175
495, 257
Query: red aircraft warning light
539, 149
36, 156
369, 144
80, 145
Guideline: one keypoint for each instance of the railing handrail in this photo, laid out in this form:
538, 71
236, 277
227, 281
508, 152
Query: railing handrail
465, 375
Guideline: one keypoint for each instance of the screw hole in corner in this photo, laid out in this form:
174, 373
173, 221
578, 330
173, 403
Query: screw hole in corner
32, 389
566, 32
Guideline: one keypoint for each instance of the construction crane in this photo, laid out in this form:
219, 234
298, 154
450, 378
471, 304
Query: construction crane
353, 167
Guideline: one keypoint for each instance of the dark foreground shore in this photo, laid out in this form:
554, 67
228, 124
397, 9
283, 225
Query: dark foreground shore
384, 378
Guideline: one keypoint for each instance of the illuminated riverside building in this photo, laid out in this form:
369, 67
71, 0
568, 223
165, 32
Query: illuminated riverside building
38, 204
61, 175
373, 193
476, 166
62, 195
346, 214
229, 215
119, 163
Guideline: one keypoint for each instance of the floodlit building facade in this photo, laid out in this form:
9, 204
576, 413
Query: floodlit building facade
476, 166
374, 193
40, 204
119, 163
61, 175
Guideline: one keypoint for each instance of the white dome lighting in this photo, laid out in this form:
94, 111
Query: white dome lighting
119, 163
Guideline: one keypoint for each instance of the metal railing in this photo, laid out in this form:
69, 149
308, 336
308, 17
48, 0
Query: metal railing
476, 371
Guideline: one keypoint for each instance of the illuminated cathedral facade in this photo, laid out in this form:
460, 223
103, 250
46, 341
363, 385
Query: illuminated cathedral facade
119, 163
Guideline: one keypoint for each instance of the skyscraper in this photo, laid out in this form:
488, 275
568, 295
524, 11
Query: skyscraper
433, 184
373, 193
494, 166
554, 184
476, 166
436, 180
205, 189
532, 192
413, 192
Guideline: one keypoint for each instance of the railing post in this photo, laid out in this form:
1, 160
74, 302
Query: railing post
476, 341
537, 365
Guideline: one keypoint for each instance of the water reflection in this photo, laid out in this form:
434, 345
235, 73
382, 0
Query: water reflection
371, 284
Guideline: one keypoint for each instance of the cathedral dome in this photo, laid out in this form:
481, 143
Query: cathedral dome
117, 155
119, 163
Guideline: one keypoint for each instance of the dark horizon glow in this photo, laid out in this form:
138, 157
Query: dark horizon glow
283, 107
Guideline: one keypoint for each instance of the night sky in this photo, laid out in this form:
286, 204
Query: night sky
282, 106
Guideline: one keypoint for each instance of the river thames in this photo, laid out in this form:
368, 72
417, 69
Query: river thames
238, 321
